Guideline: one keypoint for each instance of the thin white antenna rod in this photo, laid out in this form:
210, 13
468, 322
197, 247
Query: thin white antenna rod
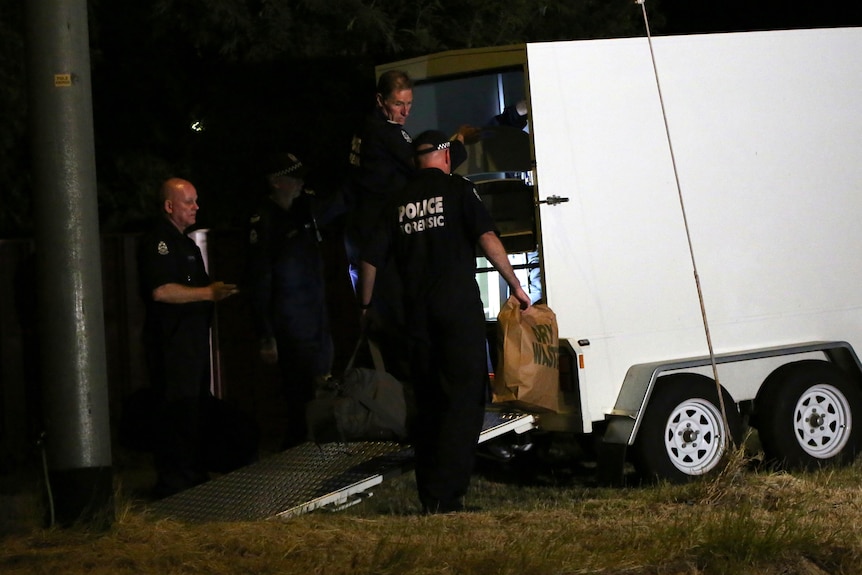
728, 439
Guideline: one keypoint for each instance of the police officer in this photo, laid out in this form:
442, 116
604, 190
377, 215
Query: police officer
382, 161
431, 233
286, 275
179, 299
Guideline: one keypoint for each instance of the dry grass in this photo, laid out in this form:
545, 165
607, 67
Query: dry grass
744, 521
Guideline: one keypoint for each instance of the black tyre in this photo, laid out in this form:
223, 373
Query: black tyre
683, 434
809, 414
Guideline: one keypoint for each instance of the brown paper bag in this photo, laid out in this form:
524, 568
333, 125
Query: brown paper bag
527, 372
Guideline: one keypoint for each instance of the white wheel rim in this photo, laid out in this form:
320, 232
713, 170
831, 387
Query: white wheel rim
694, 437
822, 421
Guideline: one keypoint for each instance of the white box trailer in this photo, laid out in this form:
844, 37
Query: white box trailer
695, 218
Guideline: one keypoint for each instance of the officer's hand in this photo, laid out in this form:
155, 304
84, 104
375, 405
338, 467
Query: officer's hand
468, 134
269, 351
368, 321
221, 290
522, 297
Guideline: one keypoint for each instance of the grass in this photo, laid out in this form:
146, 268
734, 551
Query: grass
555, 520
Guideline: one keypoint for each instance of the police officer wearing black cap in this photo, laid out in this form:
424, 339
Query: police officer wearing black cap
431, 232
179, 298
288, 293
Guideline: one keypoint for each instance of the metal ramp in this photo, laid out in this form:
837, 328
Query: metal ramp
498, 422
308, 477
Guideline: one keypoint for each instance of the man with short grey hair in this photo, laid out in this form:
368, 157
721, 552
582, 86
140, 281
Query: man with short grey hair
179, 298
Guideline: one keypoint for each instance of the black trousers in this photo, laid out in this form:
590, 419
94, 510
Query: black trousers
450, 376
296, 360
305, 352
179, 367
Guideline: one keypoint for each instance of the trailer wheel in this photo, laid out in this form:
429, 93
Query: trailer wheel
682, 435
805, 413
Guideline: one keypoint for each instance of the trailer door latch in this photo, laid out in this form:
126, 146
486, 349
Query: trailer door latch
554, 200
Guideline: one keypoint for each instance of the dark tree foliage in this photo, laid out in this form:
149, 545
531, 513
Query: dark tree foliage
697, 16
261, 30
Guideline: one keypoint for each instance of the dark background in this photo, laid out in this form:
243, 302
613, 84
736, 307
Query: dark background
696, 16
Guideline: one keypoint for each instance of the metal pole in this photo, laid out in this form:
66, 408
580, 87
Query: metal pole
69, 286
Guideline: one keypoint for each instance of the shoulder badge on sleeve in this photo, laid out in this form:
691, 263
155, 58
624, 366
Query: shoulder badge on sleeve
163, 249
356, 151
406, 136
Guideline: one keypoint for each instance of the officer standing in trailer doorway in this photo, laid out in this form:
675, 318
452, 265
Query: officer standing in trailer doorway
382, 161
431, 232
